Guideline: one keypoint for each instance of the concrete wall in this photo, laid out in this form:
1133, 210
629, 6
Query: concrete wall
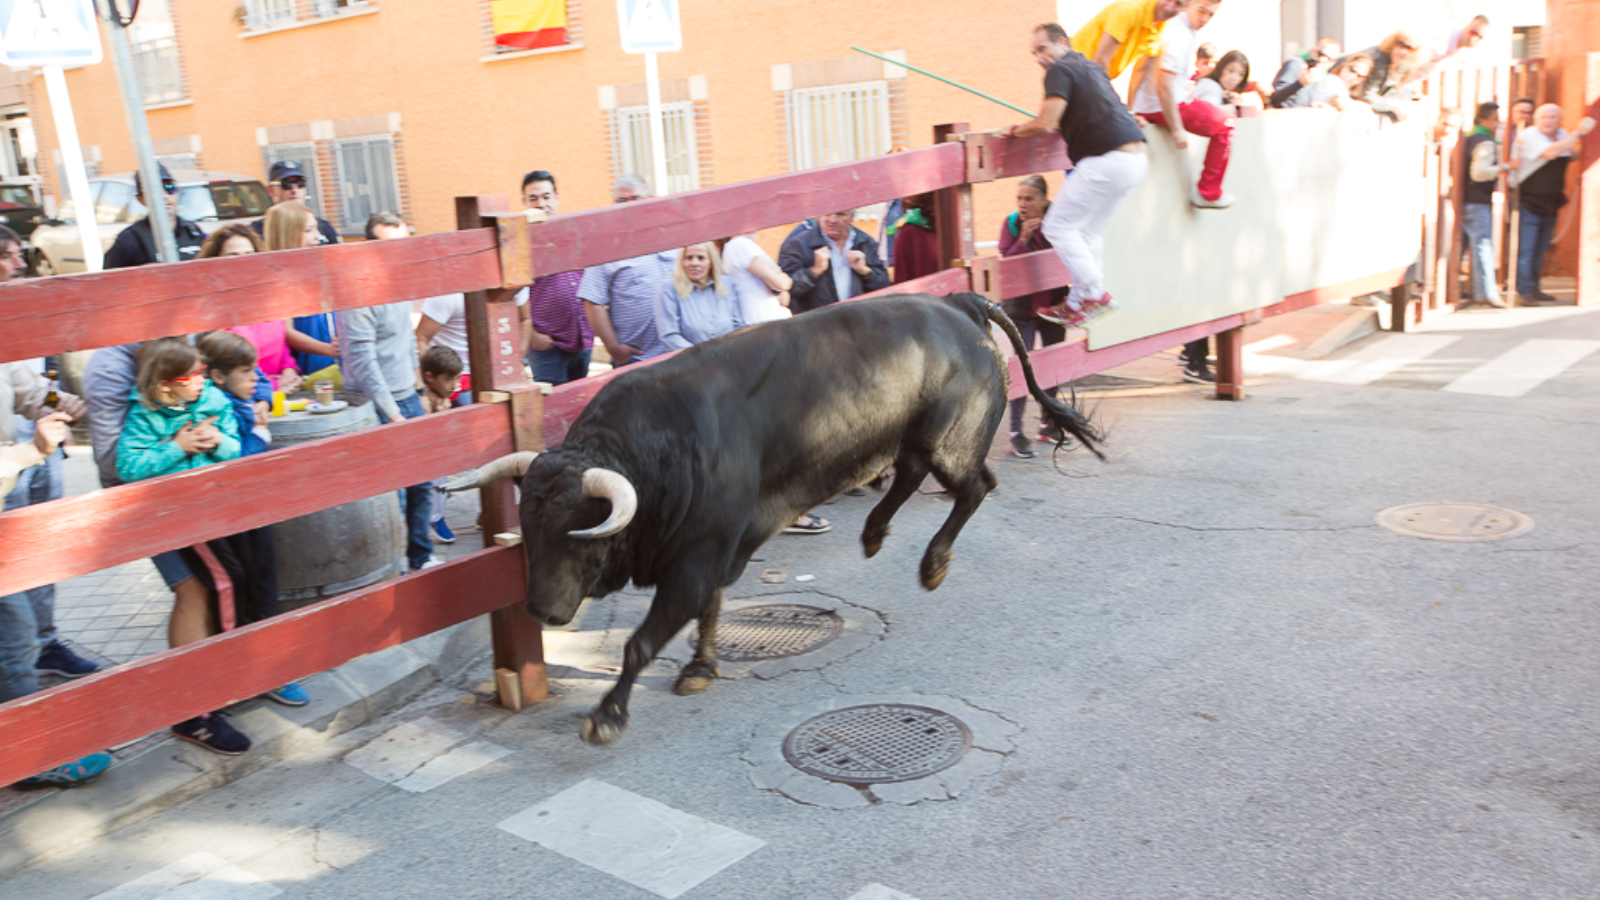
1323, 198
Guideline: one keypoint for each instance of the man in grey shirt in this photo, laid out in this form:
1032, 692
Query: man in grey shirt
378, 354
620, 297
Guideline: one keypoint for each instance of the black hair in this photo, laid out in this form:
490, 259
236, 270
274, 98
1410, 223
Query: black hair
538, 175
1052, 31
441, 360
1485, 109
1231, 56
9, 238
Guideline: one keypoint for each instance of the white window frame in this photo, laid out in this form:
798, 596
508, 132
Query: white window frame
351, 192
837, 123
179, 161
263, 14
630, 130
304, 153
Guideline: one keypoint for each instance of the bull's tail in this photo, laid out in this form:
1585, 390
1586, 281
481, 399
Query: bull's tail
1067, 418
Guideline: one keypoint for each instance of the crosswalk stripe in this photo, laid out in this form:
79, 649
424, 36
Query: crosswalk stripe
1379, 359
880, 892
1522, 368
198, 876
417, 756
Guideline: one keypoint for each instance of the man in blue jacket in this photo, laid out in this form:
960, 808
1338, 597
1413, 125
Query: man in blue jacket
830, 260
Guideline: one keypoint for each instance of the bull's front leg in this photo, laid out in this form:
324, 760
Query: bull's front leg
669, 612
702, 669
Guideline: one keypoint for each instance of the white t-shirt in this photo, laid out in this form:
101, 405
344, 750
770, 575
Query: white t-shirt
450, 311
1531, 142
1178, 42
757, 302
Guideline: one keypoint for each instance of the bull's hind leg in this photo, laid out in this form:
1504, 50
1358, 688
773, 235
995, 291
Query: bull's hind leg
669, 612
909, 470
702, 669
968, 493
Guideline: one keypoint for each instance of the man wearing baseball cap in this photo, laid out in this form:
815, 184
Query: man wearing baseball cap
287, 181
136, 244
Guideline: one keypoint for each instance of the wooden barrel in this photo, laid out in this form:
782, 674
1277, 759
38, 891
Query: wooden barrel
331, 551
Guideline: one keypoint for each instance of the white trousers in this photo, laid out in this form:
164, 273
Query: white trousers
1077, 218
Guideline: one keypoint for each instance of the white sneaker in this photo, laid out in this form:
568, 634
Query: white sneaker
429, 564
1223, 201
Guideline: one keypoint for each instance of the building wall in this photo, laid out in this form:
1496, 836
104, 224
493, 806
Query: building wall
469, 126
1572, 61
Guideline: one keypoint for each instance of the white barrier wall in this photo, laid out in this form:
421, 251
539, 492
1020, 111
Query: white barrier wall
1323, 198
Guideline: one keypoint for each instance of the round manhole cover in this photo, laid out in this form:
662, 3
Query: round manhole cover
1442, 521
877, 744
772, 632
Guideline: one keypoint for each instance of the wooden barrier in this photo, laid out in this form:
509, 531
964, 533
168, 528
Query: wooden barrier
495, 250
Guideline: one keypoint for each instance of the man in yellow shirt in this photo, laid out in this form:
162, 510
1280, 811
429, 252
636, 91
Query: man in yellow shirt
1124, 32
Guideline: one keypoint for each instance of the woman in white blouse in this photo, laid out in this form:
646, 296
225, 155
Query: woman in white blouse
762, 287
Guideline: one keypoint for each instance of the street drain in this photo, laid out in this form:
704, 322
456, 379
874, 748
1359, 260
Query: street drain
877, 744
772, 632
1441, 521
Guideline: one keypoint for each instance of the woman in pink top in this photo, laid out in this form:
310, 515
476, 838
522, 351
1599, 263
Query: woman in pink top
271, 339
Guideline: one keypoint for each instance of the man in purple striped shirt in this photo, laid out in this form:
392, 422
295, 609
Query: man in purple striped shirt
562, 340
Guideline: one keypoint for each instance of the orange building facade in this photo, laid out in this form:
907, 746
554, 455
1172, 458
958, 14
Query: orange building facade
407, 104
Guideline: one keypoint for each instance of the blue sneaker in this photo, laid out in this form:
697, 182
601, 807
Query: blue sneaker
58, 659
291, 694
441, 528
213, 732
73, 774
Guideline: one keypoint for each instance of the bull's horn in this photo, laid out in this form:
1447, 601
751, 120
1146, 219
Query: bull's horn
513, 466
613, 486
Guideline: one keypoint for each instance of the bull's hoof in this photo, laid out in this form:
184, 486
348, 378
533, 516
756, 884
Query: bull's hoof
872, 542
935, 566
601, 728
694, 680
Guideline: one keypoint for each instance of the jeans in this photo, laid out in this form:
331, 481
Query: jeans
557, 366
1075, 223
1478, 223
1049, 333
416, 501
39, 484
1214, 124
1533, 242
19, 647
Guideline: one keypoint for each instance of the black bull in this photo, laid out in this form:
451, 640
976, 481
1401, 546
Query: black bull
675, 474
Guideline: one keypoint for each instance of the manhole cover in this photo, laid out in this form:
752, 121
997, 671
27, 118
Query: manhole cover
772, 632
877, 744
1440, 521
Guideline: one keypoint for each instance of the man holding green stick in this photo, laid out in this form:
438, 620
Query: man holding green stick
1106, 147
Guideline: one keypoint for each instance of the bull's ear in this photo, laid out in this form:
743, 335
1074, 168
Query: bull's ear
605, 484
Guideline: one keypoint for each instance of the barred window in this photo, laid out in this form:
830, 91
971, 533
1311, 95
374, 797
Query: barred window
630, 129
838, 123
178, 160
155, 53
366, 179
264, 15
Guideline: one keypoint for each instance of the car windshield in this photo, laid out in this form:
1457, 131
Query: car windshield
16, 198
222, 200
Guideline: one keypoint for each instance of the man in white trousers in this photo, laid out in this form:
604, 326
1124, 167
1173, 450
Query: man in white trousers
1107, 152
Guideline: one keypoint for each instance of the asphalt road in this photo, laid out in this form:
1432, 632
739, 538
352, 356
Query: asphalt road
1212, 674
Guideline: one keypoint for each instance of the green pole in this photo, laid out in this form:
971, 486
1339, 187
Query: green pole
943, 79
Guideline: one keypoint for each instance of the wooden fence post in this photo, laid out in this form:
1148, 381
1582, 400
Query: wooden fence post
955, 215
494, 343
1230, 364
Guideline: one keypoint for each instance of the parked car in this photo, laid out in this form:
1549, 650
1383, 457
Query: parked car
209, 199
20, 210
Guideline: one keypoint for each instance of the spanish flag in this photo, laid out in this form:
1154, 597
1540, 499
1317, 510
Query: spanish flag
529, 24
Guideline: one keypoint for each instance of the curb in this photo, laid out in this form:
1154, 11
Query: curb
172, 772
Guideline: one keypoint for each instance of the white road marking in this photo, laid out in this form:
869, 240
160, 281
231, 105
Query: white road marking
644, 842
1379, 359
1522, 368
1271, 343
198, 876
454, 764
416, 756
879, 892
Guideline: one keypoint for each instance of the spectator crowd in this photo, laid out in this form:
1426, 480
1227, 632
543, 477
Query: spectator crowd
179, 403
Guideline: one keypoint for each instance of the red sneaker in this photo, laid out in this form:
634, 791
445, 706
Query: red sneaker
1091, 310
1059, 314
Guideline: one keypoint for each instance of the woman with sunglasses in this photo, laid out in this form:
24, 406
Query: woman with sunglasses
1392, 62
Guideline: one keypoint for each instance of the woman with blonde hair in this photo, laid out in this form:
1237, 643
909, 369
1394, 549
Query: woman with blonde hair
1392, 60
696, 305
290, 226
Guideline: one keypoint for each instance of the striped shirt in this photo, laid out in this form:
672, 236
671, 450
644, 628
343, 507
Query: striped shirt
629, 287
554, 307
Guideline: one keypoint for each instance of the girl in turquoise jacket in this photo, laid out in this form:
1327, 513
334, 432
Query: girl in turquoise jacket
178, 419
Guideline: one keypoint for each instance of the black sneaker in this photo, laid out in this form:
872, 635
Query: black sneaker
213, 732
1021, 447
58, 659
1199, 375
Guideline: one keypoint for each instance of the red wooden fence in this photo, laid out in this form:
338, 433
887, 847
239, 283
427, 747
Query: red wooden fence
494, 250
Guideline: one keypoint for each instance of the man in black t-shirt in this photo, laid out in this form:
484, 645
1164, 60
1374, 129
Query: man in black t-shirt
1107, 152
136, 244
